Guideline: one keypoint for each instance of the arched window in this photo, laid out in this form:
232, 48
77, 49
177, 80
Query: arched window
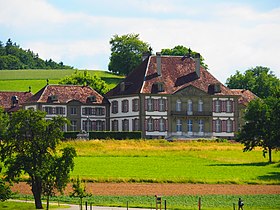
190, 125
200, 105
190, 107
178, 105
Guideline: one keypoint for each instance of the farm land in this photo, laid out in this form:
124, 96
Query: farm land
136, 170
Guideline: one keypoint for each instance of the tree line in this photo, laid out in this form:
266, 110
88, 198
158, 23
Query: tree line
12, 56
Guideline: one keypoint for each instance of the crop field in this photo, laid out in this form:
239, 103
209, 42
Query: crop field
20, 80
172, 162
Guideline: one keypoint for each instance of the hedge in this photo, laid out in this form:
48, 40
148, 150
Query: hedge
105, 135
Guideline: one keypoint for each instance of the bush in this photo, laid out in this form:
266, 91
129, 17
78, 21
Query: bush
106, 135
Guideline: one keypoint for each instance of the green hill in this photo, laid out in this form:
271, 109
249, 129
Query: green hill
20, 80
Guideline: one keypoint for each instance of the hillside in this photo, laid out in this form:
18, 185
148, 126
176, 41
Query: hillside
20, 80
12, 56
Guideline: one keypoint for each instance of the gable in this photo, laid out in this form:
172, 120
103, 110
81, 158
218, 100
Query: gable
190, 91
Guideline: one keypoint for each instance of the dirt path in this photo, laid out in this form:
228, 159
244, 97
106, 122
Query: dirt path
166, 189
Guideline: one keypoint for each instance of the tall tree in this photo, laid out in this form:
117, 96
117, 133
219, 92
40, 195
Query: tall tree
85, 78
180, 50
260, 80
262, 119
126, 53
29, 146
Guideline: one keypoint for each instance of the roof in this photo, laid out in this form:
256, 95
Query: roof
245, 96
6, 100
177, 73
67, 93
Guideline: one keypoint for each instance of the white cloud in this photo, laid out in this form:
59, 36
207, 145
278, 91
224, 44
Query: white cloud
229, 36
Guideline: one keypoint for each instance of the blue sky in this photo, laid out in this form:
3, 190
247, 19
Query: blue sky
230, 35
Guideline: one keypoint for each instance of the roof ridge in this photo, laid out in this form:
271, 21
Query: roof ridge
146, 70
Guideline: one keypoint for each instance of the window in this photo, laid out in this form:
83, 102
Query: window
218, 126
190, 125
115, 125
200, 126
179, 125
229, 106
135, 105
178, 105
99, 125
87, 125
49, 110
55, 110
190, 107
73, 125
135, 125
125, 106
161, 102
217, 106
200, 105
150, 104
229, 126
150, 124
125, 125
99, 111
161, 124
114, 107
73, 110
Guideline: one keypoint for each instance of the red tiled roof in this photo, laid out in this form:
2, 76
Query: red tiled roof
67, 93
6, 99
177, 73
245, 96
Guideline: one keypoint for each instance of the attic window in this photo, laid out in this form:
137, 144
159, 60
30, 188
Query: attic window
124, 86
92, 99
158, 87
53, 98
214, 88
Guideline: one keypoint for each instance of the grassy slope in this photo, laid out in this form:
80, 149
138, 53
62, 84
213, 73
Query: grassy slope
20, 80
182, 162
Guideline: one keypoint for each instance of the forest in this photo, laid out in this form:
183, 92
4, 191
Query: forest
12, 56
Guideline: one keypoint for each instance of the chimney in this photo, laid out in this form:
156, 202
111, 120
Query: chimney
158, 63
197, 64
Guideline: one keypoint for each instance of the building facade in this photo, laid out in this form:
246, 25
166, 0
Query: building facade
174, 97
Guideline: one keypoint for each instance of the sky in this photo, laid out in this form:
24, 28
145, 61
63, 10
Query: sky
230, 34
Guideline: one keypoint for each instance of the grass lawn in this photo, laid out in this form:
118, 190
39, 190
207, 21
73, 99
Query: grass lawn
12, 205
177, 162
20, 80
189, 202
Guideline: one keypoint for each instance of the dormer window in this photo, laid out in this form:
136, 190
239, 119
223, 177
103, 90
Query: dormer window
92, 99
158, 87
14, 100
53, 98
214, 88
122, 86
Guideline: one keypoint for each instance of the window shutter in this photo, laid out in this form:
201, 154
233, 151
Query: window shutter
165, 102
166, 124
224, 106
233, 126
224, 125
146, 124
103, 111
213, 105
214, 125
156, 125
133, 105
103, 126
232, 106
146, 104
155, 101
93, 110
93, 125
63, 110
221, 104
84, 111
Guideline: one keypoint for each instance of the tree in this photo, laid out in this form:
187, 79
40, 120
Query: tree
262, 125
5, 191
29, 146
180, 50
4, 118
260, 80
126, 53
85, 78
79, 190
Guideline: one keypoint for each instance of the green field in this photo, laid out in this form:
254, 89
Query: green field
172, 162
20, 80
11, 205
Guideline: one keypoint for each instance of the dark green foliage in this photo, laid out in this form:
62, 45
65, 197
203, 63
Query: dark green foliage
106, 135
126, 53
5, 191
12, 56
262, 125
29, 146
85, 78
180, 50
260, 80
4, 118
